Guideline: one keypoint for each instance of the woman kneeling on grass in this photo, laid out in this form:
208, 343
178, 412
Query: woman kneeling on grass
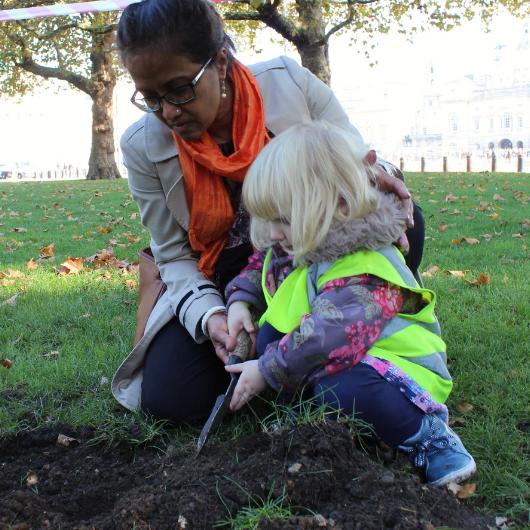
341, 313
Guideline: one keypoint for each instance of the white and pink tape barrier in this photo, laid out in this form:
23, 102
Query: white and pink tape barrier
69, 9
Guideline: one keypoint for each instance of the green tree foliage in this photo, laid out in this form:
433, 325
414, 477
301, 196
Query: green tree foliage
76, 49
309, 24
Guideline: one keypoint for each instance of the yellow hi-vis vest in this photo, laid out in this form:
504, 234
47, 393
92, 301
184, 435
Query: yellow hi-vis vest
410, 341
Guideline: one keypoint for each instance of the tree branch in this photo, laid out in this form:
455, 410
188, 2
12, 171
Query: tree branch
349, 19
28, 64
241, 15
269, 15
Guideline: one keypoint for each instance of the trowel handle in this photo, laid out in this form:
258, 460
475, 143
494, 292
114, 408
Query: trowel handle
242, 350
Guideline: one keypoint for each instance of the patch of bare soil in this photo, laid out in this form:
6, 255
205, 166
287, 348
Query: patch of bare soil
44, 485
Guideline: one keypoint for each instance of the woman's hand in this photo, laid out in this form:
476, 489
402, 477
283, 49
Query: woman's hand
239, 317
391, 184
250, 383
223, 343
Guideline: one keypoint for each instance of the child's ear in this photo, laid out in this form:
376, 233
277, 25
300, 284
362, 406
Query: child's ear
371, 157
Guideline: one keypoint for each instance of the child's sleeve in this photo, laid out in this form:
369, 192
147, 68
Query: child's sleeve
347, 317
246, 286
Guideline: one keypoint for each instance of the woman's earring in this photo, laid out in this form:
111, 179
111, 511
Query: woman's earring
223, 89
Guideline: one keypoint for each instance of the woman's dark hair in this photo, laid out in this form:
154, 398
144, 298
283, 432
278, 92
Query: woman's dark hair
189, 27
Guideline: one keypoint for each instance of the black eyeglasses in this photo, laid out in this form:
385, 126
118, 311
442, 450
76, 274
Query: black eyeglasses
178, 96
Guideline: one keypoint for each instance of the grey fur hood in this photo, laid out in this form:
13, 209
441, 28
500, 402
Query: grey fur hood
378, 229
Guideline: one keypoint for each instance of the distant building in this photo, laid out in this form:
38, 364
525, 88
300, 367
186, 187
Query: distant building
452, 115
481, 112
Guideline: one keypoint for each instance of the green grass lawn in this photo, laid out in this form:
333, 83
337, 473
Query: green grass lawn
65, 334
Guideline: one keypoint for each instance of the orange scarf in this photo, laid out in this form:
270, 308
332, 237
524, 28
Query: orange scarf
204, 166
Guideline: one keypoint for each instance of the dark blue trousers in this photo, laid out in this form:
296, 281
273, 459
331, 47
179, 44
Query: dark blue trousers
361, 391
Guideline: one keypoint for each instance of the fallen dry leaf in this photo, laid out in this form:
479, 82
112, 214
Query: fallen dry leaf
66, 441
465, 408
6, 363
457, 274
6, 282
20, 229
498, 197
52, 354
451, 198
470, 240
32, 478
462, 491
320, 520
15, 274
10, 301
518, 235
70, 266
47, 252
442, 227
457, 420
104, 229
467, 490
493, 216
130, 284
431, 271
31, 265
482, 279
294, 468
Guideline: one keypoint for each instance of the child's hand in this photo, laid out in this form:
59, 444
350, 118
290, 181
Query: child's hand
239, 318
250, 383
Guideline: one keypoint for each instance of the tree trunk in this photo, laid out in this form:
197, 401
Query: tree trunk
311, 43
102, 163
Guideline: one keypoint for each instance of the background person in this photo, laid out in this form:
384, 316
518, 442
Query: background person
207, 117
341, 314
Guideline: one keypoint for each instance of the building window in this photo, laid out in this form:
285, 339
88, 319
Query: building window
453, 123
520, 121
491, 123
507, 120
477, 124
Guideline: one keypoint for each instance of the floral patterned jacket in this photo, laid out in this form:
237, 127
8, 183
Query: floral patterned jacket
347, 315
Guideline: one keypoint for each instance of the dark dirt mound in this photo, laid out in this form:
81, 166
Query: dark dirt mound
319, 469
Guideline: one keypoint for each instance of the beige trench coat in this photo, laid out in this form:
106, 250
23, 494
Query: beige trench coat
291, 94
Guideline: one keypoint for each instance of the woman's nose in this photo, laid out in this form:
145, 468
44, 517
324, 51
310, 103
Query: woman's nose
170, 112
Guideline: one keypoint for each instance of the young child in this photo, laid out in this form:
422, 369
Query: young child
341, 314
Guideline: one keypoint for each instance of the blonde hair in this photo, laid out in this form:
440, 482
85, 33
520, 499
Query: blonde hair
301, 177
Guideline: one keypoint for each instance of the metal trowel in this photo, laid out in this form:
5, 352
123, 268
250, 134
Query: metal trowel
222, 403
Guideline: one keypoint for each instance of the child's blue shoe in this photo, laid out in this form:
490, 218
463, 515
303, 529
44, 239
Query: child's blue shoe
438, 449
